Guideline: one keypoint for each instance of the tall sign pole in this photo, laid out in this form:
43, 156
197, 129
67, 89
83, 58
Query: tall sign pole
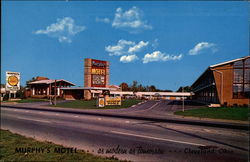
55, 92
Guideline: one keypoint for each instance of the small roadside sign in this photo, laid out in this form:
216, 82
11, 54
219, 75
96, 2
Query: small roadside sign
101, 102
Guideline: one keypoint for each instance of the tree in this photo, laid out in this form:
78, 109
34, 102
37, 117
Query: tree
134, 87
31, 80
20, 92
152, 88
124, 86
167, 90
185, 89
141, 88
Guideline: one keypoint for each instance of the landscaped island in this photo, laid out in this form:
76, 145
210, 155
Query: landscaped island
82, 104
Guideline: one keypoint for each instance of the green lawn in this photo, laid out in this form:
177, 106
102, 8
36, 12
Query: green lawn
28, 100
237, 113
9, 142
32, 100
81, 104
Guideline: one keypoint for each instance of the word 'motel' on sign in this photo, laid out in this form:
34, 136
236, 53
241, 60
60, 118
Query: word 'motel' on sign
96, 75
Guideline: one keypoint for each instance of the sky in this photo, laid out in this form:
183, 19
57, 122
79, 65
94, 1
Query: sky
163, 43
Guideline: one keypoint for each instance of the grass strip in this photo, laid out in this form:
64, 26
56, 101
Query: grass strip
229, 113
28, 100
11, 142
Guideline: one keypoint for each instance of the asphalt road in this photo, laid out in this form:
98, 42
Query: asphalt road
135, 140
159, 107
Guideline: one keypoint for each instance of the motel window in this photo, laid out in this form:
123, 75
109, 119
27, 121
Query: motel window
238, 75
241, 80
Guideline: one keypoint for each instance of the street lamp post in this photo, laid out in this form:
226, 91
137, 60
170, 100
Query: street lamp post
50, 89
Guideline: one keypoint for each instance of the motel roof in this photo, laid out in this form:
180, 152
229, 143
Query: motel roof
114, 86
50, 81
122, 92
87, 88
228, 62
219, 64
165, 93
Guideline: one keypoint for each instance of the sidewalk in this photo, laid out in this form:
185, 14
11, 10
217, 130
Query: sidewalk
170, 118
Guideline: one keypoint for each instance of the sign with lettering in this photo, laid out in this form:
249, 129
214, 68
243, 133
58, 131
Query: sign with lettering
12, 81
98, 63
98, 73
101, 102
113, 100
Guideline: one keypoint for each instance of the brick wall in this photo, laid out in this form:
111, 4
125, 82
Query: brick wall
226, 95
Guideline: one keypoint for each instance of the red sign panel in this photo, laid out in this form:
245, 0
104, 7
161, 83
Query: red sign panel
98, 73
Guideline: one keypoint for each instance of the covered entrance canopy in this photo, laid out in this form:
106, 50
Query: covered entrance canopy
76, 93
47, 87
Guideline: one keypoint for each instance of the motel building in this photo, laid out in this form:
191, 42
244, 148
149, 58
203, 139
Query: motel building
96, 83
164, 95
44, 87
226, 83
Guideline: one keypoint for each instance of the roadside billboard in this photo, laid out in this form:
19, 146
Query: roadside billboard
12, 81
113, 100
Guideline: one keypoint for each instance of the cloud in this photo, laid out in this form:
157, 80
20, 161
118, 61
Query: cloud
128, 58
120, 48
104, 20
64, 30
203, 46
159, 56
130, 20
125, 47
137, 47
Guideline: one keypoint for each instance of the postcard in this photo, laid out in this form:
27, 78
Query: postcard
141, 81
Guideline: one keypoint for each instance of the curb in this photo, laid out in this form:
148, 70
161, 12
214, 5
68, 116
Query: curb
176, 121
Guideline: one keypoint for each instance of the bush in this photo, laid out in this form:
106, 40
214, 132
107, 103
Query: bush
5, 97
20, 94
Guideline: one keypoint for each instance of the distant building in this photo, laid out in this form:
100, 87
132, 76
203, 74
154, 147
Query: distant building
227, 83
164, 95
115, 87
43, 87
3, 93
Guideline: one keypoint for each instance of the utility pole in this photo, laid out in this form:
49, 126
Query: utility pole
55, 93
183, 100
